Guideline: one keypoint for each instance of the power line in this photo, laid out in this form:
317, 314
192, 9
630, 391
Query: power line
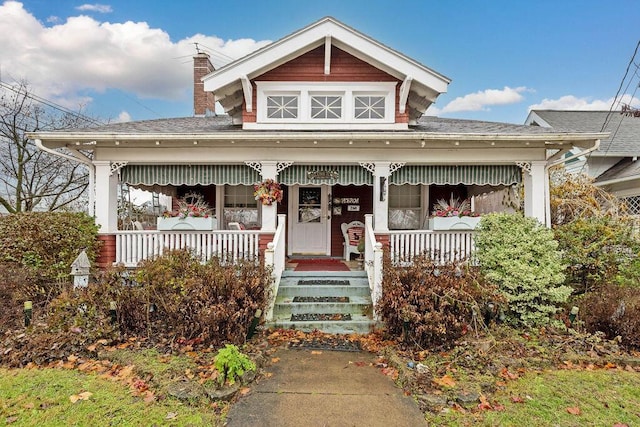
606, 120
49, 103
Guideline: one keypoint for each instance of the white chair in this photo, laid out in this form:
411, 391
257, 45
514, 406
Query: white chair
236, 226
352, 233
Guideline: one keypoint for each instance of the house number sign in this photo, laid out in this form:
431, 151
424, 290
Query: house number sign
351, 201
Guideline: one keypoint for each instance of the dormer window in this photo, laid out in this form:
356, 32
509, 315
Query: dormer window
318, 105
282, 107
326, 107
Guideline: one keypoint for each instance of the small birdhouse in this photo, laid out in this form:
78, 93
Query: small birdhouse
80, 270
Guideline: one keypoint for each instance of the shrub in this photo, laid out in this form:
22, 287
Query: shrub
47, 242
433, 304
232, 364
599, 250
614, 310
521, 257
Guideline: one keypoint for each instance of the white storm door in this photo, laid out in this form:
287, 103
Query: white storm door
309, 221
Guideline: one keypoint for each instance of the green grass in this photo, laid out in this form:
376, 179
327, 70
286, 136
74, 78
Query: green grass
605, 397
40, 397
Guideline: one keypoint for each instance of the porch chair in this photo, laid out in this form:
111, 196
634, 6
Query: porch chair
352, 233
236, 226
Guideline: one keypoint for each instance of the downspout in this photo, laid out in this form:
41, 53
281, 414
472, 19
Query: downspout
84, 159
554, 163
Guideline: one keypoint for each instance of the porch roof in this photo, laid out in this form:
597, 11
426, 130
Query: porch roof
221, 128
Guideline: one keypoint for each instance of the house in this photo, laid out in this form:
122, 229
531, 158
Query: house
337, 119
614, 165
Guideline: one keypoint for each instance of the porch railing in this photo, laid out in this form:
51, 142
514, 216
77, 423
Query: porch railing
372, 260
442, 246
274, 257
135, 246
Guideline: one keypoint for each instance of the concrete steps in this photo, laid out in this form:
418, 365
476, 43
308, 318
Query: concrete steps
349, 297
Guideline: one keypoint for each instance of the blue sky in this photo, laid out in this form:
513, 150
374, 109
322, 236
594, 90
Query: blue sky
131, 60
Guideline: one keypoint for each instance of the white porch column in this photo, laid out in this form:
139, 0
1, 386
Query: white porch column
269, 213
535, 190
381, 196
106, 197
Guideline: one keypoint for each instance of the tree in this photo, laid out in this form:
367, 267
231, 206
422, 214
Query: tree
32, 179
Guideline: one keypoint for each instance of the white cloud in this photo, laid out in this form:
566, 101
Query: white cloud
65, 61
570, 102
481, 100
96, 7
123, 117
53, 19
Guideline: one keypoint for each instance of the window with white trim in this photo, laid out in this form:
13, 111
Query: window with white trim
240, 206
369, 107
309, 104
282, 106
405, 207
326, 106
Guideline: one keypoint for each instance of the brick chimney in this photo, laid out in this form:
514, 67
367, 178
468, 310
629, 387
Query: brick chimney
203, 102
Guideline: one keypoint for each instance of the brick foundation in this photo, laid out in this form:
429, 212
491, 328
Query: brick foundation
107, 254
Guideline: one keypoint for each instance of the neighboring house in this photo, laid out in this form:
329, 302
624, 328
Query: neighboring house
614, 165
337, 119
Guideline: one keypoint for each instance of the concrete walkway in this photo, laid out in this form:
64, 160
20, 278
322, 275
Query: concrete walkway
328, 389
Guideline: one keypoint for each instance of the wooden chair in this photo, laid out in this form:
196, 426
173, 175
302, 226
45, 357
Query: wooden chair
352, 233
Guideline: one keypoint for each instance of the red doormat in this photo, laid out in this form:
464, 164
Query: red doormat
319, 264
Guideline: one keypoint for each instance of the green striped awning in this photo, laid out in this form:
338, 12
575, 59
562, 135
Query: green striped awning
452, 174
325, 174
149, 175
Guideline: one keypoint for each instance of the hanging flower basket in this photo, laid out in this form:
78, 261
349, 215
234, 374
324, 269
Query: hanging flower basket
268, 192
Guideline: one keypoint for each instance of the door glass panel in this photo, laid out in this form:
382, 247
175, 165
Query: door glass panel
309, 206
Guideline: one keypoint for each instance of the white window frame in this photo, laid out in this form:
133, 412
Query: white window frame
305, 90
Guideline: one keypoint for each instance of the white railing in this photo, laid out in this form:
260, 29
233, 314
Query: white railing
372, 261
274, 257
135, 246
441, 246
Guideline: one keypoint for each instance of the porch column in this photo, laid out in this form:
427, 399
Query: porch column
381, 174
269, 170
106, 212
535, 189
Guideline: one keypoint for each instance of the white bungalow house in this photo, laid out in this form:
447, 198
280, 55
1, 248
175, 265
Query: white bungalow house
337, 119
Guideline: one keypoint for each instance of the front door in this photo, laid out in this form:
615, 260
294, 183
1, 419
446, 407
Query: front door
309, 221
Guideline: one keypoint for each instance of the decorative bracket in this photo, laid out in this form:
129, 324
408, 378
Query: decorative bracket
525, 166
369, 166
282, 166
395, 166
257, 166
116, 166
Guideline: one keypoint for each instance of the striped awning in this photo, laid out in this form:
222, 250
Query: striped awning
452, 174
325, 174
149, 175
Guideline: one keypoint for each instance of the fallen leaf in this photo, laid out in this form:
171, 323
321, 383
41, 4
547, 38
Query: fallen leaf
504, 373
498, 407
171, 416
517, 399
244, 391
573, 410
85, 395
610, 365
72, 358
316, 352
484, 404
92, 348
275, 359
10, 420
445, 381
620, 425
28, 406
360, 364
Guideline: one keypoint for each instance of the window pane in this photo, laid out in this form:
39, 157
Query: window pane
369, 107
326, 107
282, 107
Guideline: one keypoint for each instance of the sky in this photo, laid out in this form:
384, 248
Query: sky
132, 60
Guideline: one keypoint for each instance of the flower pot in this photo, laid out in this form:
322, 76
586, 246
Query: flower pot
188, 223
454, 222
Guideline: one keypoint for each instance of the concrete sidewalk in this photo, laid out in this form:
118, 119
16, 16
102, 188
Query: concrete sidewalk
328, 389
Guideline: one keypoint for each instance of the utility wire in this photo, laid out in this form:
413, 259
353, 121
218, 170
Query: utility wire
49, 103
631, 61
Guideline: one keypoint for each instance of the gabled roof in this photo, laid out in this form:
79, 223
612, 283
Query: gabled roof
426, 84
626, 169
624, 132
